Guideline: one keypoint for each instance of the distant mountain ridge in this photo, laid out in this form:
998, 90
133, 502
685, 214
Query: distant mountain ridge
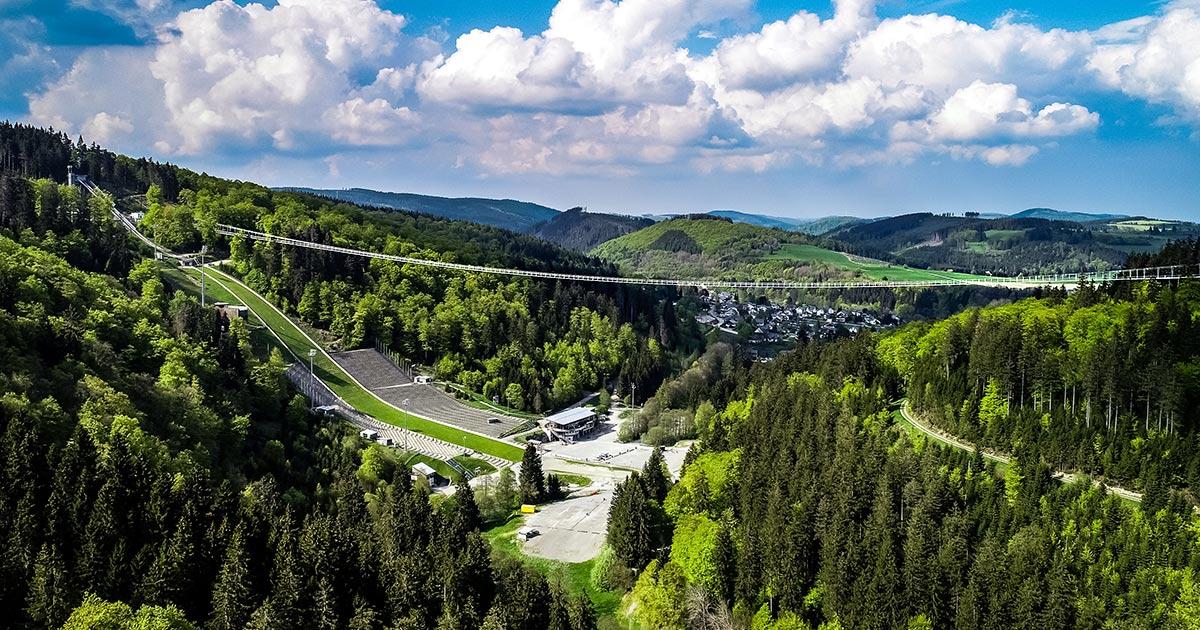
1051, 214
518, 216
815, 226
581, 230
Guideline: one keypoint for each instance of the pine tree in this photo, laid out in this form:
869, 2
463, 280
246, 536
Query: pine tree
583, 615
560, 613
533, 482
465, 516
365, 617
725, 562
655, 477
51, 596
232, 602
629, 527
287, 581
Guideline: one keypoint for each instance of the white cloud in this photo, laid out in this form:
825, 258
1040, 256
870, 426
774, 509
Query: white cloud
595, 54
984, 111
941, 54
298, 76
105, 127
801, 47
1155, 59
1008, 155
610, 86
105, 86
376, 122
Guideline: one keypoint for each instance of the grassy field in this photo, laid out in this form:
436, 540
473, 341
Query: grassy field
573, 479
711, 235
870, 269
476, 466
576, 577
341, 383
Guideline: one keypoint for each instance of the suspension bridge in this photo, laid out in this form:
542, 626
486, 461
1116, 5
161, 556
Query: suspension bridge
1171, 272
1066, 280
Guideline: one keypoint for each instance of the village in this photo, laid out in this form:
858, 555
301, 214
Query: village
766, 324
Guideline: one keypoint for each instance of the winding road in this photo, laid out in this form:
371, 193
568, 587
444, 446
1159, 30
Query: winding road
945, 438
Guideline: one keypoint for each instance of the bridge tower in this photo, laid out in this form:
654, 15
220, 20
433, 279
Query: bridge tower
70, 175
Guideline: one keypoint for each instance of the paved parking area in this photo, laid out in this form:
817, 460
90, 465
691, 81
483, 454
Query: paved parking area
572, 530
603, 448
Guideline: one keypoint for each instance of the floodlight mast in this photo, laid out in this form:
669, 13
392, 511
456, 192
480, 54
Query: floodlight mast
312, 380
203, 276
404, 414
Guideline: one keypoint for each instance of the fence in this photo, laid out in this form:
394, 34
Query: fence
404, 366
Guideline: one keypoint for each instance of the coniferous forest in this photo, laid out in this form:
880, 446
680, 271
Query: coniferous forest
805, 504
158, 471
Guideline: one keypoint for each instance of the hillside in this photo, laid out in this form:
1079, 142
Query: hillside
701, 246
518, 216
1010, 245
581, 231
819, 225
1060, 215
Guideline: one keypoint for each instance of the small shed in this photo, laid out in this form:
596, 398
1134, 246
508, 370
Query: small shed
368, 434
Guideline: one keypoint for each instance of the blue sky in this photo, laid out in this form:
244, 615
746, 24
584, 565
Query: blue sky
789, 108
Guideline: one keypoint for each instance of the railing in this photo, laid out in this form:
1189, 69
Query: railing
1171, 272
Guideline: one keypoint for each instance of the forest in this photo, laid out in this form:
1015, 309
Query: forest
157, 474
805, 504
1008, 246
1102, 382
539, 346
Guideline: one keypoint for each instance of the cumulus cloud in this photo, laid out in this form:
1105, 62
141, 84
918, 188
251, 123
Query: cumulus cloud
941, 53
297, 76
801, 47
594, 55
988, 111
1155, 59
610, 86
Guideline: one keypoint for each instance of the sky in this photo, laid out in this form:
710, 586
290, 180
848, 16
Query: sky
789, 108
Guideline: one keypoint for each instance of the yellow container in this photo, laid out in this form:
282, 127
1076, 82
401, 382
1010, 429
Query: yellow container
528, 509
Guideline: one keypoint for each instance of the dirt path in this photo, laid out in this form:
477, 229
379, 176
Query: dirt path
945, 438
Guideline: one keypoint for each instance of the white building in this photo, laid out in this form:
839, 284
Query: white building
569, 425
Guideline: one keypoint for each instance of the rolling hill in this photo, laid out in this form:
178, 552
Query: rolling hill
581, 231
1060, 215
518, 216
1010, 246
704, 246
819, 225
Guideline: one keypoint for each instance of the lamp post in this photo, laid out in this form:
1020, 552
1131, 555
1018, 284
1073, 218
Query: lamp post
312, 379
404, 414
203, 276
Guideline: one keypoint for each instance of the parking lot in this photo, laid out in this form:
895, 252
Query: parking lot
604, 449
572, 530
